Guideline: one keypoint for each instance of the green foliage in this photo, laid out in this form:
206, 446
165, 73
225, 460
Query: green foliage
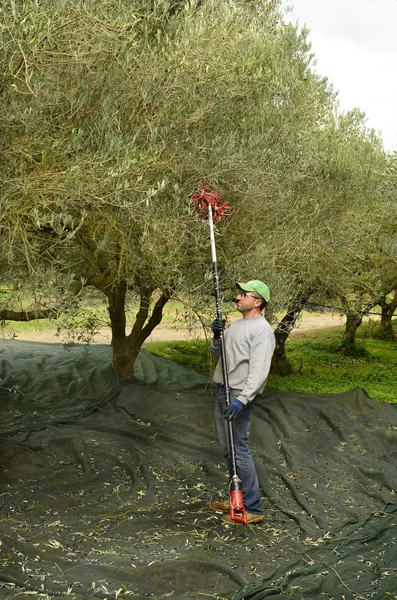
314, 366
319, 369
376, 331
357, 350
193, 354
115, 111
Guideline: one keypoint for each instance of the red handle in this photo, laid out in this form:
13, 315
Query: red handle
237, 510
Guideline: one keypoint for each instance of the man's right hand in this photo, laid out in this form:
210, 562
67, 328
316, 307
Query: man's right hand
218, 327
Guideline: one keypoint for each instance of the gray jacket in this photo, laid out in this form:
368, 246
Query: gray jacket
249, 346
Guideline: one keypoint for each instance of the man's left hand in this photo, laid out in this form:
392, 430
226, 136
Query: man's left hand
233, 409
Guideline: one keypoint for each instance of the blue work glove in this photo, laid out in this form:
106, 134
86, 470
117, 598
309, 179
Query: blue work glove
233, 409
218, 327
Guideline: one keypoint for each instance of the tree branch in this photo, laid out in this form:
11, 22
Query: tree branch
27, 315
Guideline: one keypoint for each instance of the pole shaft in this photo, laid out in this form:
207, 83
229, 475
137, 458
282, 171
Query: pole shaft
223, 352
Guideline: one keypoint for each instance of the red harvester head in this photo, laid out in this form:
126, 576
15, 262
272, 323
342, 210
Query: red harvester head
206, 197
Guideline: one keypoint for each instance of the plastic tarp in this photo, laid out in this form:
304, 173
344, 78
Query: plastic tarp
360, 563
105, 488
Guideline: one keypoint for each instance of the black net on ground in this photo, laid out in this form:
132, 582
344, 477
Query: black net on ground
105, 489
360, 563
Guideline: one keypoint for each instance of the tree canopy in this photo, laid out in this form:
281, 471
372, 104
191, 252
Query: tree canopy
114, 112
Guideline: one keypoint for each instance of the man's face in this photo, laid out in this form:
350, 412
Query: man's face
247, 301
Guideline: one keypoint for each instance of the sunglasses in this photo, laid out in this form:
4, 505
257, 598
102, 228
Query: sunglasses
247, 295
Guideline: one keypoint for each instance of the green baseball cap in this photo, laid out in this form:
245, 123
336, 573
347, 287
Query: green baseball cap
256, 286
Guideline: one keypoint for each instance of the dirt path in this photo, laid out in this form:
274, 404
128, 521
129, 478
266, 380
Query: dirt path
161, 334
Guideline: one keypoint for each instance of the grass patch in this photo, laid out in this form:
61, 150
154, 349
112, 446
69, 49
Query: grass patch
314, 364
194, 354
318, 367
8, 328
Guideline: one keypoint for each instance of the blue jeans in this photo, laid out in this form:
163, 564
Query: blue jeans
245, 464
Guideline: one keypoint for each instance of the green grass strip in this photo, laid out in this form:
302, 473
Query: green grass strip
314, 363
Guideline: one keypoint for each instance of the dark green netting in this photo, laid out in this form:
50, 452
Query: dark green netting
360, 563
105, 490
43, 384
324, 459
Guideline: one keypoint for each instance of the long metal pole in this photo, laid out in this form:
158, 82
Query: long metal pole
223, 352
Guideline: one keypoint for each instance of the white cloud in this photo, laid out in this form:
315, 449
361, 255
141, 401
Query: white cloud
355, 44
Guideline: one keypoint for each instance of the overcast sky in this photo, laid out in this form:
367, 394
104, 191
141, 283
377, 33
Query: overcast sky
355, 42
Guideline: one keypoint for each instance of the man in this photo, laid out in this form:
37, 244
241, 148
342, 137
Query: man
249, 345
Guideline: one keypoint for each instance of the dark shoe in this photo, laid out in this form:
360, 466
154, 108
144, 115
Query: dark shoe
223, 506
251, 519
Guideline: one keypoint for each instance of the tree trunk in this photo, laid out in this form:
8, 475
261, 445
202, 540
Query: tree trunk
126, 347
285, 327
353, 322
122, 362
388, 309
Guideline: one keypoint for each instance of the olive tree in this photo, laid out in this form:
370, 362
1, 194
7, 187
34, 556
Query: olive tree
115, 112
336, 252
